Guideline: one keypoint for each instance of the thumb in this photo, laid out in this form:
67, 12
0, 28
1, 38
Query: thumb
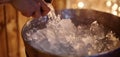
37, 13
44, 8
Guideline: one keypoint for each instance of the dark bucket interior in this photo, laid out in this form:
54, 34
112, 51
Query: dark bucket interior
78, 16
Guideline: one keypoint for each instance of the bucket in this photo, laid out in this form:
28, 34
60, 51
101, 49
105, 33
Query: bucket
77, 16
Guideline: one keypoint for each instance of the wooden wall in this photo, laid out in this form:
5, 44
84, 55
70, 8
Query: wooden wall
11, 23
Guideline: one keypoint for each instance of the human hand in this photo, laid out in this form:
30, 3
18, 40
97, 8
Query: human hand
34, 8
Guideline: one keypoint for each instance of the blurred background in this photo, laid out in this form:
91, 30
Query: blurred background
11, 22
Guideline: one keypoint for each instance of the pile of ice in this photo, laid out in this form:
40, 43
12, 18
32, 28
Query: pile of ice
62, 37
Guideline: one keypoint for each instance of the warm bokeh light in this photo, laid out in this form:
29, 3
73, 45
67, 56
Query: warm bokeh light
114, 12
80, 4
119, 14
108, 3
119, 9
114, 7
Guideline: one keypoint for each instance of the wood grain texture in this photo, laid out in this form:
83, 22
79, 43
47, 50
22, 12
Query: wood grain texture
11, 23
3, 43
21, 21
12, 36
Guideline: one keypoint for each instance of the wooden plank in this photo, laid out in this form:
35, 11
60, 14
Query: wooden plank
12, 38
21, 21
3, 44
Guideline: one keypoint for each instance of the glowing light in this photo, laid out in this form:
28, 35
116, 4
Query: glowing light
119, 14
114, 12
108, 3
80, 4
119, 9
114, 7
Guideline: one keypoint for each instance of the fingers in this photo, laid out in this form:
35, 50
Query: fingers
44, 8
37, 13
34, 8
4, 1
26, 7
